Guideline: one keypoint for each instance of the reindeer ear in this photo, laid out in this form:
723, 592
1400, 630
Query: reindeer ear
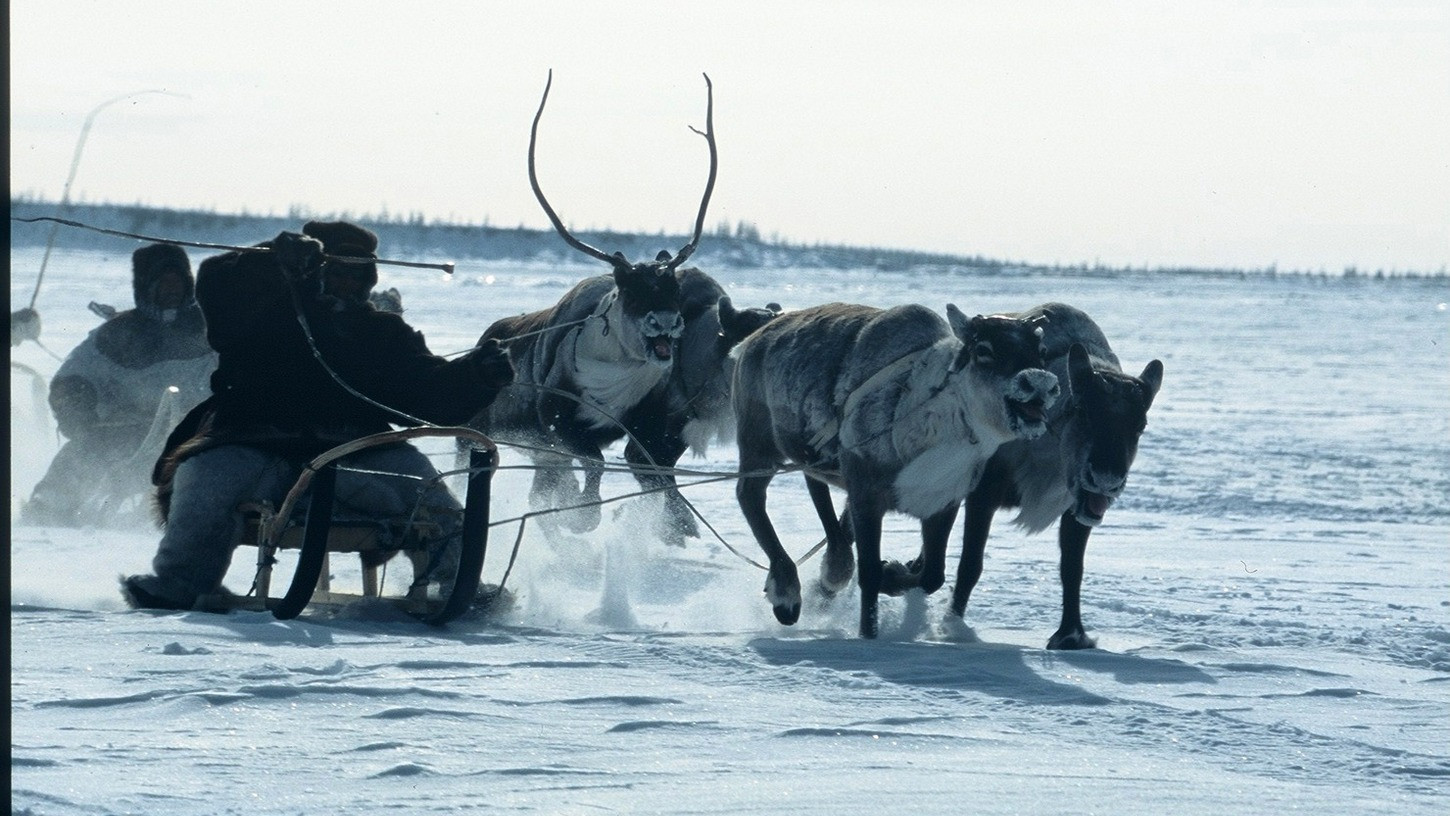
663, 255
958, 321
774, 308
622, 268
1079, 369
729, 319
1152, 378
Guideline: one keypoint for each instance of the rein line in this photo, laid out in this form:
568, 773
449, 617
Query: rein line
653, 468
446, 267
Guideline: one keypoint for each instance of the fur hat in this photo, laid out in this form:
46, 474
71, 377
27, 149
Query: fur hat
346, 239
150, 264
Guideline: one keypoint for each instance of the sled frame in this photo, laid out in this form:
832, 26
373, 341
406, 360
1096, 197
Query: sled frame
320, 536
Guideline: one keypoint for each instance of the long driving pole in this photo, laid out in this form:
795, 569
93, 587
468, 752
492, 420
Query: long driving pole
75, 164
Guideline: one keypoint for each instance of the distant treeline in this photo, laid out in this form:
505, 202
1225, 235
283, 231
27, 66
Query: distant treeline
405, 237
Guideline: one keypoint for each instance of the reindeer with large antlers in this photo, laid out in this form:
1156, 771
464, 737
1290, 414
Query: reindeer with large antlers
594, 366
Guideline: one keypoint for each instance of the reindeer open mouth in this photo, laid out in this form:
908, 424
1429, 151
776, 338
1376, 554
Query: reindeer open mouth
1095, 491
1032, 392
1028, 419
1090, 507
661, 330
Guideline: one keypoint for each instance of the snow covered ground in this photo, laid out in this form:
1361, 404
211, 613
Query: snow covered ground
1271, 598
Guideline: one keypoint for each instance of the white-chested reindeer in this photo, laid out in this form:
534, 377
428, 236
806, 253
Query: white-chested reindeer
899, 407
595, 365
697, 401
1071, 474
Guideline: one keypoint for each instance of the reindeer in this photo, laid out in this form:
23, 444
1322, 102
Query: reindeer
1071, 474
900, 408
595, 365
697, 409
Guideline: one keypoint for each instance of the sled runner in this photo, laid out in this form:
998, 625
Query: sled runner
319, 535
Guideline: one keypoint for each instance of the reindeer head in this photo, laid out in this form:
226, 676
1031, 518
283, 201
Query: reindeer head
734, 326
1109, 414
738, 324
648, 292
1003, 355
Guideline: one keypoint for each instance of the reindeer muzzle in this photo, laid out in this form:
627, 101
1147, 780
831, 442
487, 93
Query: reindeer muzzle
662, 330
1096, 491
1032, 392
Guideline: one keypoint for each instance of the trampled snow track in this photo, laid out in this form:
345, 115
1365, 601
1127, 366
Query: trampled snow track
1270, 598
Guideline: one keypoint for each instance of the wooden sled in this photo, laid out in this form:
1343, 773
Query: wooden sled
320, 536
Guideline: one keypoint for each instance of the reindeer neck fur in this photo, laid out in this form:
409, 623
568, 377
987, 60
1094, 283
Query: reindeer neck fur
1045, 469
1041, 471
711, 417
609, 365
933, 434
701, 390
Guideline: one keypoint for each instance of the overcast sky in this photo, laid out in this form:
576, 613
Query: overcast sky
1307, 135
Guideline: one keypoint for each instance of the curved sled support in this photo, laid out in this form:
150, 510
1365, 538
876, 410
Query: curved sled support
321, 476
314, 545
481, 467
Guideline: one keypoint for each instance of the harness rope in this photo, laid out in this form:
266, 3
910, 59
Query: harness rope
875, 381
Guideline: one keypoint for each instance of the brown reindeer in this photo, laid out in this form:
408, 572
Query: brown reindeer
697, 403
1070, 475
899, 407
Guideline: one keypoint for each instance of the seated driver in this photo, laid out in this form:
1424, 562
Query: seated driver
305, 363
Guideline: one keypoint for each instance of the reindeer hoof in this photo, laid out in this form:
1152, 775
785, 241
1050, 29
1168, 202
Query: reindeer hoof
897, 578
583, 520
931, 582
684, 524
1071, 639
787, 615
869, 616
831, 582
783, 590
673, 529
827, 590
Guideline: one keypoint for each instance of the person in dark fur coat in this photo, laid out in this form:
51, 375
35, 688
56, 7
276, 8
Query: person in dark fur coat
274, 406
119, 392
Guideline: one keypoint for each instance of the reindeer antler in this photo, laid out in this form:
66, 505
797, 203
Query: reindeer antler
618, 259
594, 252
709, 135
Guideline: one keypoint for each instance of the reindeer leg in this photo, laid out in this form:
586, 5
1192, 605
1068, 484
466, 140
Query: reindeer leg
1072, 539
679, 521
866, 518
836, 566
928, 570
677, 511
549, 488
981, 505
588, 515
782, 583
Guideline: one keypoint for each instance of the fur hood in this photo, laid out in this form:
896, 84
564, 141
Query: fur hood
149, 265
347, 239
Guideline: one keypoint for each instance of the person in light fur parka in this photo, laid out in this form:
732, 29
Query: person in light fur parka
119, 391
